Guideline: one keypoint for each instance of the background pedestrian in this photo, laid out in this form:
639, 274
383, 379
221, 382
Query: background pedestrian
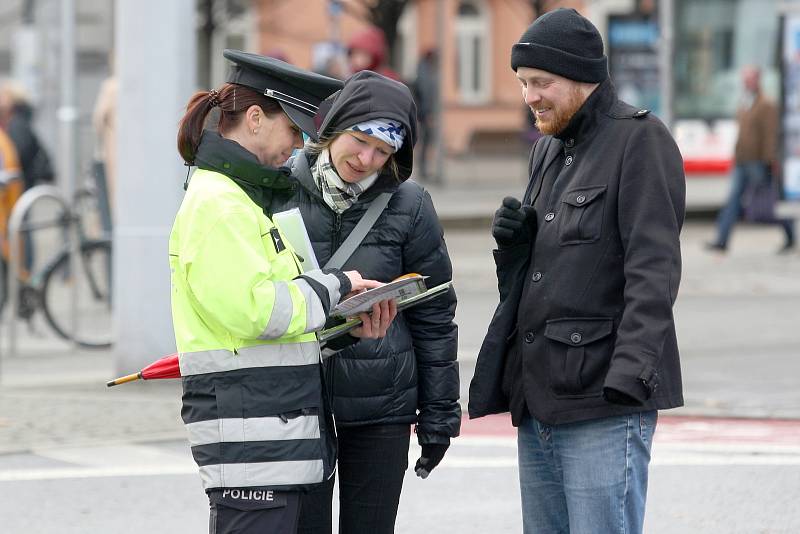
755, 160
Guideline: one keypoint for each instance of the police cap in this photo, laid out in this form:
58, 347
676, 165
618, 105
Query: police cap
298, 91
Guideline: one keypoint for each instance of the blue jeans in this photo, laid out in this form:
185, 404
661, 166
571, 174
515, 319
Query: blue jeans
585, 478
753, 172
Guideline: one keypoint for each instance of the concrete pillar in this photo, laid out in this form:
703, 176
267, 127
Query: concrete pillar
155, 60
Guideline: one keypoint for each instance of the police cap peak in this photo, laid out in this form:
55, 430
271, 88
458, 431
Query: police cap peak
298, 91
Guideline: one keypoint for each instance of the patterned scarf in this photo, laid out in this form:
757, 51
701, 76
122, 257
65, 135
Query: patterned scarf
337, 194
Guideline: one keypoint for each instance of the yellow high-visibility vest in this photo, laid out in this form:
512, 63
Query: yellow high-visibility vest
245, 330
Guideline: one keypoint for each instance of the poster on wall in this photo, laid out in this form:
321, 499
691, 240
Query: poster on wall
791, 107
633, 59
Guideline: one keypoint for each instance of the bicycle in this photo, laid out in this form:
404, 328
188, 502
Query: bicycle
49, 289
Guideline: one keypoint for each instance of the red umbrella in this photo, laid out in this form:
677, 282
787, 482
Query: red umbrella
166, 367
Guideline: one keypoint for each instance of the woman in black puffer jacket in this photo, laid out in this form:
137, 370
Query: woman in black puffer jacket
410, 377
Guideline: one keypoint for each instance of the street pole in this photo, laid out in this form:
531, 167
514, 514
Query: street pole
438, 143
155, 47
335, 12
68, 145
666, 17
25, 54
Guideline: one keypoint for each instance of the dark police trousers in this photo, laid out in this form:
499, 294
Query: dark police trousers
252, 511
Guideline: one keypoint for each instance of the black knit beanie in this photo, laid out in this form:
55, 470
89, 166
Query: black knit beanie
565, 43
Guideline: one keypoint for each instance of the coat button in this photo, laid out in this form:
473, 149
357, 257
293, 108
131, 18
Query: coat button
550, 216
529, 337
568, 162
570, 143
581, 199
537, 276
575, 337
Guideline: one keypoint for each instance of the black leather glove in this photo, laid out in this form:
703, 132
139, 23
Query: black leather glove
432, 454
513, 224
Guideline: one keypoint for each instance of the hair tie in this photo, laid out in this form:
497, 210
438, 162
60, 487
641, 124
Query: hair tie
213, 98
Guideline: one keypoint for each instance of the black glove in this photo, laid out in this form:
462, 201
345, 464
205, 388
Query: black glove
432, 454
513, 224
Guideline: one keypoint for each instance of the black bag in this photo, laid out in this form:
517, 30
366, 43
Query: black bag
758, 201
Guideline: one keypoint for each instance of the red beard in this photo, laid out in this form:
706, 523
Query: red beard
560, 115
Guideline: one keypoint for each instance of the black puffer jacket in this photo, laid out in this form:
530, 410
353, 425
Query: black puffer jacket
411, 375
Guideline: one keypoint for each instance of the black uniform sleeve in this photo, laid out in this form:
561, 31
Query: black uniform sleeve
651, 211
322, 292
434, 334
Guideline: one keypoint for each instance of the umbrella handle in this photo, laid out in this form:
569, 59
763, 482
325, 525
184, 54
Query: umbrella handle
123, 379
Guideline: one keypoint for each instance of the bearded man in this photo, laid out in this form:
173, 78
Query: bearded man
582, 348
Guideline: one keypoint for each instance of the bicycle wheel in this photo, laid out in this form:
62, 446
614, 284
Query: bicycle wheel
93, 295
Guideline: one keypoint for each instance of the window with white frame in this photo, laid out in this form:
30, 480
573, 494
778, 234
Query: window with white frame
472, 54
236, 28
405, 46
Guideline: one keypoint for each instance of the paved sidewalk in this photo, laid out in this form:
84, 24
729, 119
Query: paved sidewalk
53, 395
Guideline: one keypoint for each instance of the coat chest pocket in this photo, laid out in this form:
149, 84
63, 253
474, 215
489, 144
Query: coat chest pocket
579, 351
582, 215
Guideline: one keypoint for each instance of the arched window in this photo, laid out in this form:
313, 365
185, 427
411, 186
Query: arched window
472, 51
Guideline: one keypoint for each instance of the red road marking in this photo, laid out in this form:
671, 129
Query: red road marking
675, 429
718, 430
491, 425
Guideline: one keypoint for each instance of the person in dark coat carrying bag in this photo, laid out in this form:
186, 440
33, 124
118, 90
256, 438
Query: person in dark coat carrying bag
582, 348
753, 192
410, 377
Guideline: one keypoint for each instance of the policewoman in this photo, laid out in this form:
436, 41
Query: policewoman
243, 313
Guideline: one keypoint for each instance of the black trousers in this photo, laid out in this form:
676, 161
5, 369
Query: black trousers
372, 463
251, 511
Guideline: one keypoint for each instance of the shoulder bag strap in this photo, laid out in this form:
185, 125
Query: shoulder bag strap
359, 232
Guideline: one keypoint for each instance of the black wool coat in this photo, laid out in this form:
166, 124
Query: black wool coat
586, 307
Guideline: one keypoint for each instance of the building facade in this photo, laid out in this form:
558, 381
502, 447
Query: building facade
481, 102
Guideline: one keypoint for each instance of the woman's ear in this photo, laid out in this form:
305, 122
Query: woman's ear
253, 118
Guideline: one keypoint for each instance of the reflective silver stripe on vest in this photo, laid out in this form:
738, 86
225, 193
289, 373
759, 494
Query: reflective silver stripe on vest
261, 474
281, 314
272, 355
315, 313
230, 430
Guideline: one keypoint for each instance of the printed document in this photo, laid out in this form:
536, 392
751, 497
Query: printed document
291, 225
